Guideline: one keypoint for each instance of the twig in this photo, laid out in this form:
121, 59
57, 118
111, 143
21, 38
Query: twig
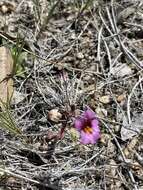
99, 44
125, 50
90, 159
122, 154
6, 37
129, 99
27, 179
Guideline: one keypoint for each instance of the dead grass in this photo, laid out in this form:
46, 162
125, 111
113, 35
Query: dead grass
86, 53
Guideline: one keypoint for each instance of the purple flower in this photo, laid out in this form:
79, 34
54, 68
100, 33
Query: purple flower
88, 126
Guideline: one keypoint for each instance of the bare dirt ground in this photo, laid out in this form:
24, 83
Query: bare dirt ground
76, 53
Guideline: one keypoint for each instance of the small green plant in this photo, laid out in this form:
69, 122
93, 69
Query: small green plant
50, 14
18, 58
15, 59
52, 6
7, 122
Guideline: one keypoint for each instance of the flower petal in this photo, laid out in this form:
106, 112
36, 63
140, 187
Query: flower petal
85, 139
93, 139
79, 123
87, 120
94, 123
96, 135
89, 114
89, 138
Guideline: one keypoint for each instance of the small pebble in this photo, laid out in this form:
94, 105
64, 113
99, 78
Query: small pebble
121, 97
54, 115
4, 9
105, 99
80, 55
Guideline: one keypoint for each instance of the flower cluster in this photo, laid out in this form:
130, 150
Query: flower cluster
88, 126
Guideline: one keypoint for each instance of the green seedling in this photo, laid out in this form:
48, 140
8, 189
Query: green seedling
7, 122
18, 58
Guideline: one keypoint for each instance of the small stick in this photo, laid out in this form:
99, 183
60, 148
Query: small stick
27, 179
129, 99
122, 154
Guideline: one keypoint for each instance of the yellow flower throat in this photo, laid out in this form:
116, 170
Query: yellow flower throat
88, 129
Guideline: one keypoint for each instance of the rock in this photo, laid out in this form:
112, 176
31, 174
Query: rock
121, 70
54, 115
7, 7
105, 99
80, 55
4, 9
121, 97
18, 97
128, 132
